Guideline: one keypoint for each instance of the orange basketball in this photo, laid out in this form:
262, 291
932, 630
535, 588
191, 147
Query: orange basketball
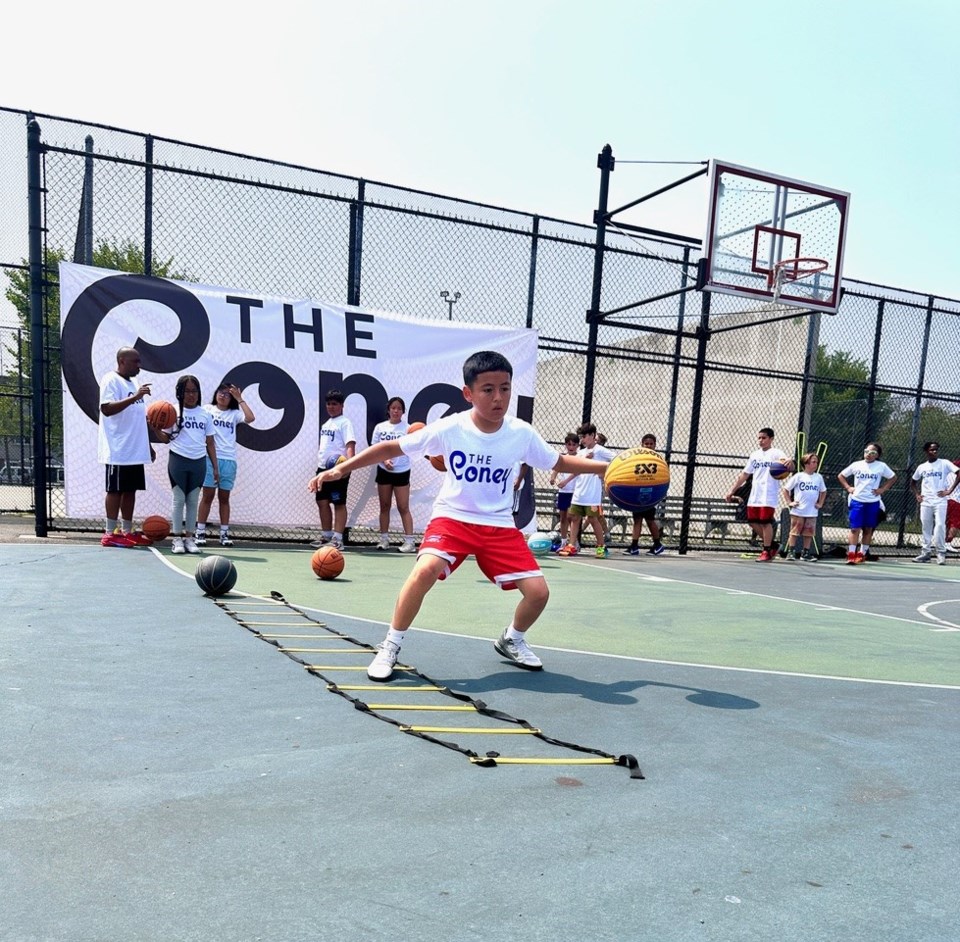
438, 462
156, 527
327, 562
161, 414
415, 427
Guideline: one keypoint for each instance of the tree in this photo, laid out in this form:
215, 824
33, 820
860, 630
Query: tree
127, 257
841, 406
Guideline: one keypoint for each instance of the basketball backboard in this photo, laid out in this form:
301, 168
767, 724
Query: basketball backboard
757, 222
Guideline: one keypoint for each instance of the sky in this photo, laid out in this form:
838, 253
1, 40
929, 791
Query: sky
508, 102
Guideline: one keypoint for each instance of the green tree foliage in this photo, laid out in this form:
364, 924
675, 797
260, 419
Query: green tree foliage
841, 407
127, 257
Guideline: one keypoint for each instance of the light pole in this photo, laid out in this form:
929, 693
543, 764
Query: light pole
450, 300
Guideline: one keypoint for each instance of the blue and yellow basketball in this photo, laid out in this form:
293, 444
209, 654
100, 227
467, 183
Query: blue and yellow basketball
637, 478
539, 543
780, 470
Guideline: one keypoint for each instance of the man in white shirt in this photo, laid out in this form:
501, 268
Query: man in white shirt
932, 483
764, 491
123, 446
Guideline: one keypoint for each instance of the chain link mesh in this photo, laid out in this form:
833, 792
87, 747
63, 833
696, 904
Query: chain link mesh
882, 369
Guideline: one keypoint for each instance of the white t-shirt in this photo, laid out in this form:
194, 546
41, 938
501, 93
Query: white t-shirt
764, 489
335, 433
935, 476
867, 476
225, 422
588, 488
387, 431
122, 438
571, 484
807, 489
191, 439
956, 494
478, 484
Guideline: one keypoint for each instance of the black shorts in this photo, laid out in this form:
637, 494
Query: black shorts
649, 514
186, 473
393, 478
334, 491
123, 478
564, 500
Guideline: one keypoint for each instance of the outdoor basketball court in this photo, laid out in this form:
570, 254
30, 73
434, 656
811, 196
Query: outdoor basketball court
172, 774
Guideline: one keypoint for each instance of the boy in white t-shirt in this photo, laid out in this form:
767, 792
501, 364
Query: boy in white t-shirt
337, 441
473, 513
932, 484
764, 491
587, 502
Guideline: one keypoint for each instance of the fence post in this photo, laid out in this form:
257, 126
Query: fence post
606, 163
703, 336
355, 246
532, 283
874, 368
35, 241
148, 205
677, 350
86, 205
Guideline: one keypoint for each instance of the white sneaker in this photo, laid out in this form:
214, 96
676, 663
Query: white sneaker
190, 545
177, 545
924, 557
381, 667
224, 540
407, 547
518, 651
316, 544
337, 544
200, 538
384, 543
941, 560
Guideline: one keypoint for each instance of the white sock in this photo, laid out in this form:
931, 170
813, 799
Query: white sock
202, 527
223, 530
326, 534
127, 526
853, 548
864, 549
514, 635
384, 536
408, 538
396, 636
337, 537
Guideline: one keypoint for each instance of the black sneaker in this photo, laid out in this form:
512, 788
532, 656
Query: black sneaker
632, 551
656, 550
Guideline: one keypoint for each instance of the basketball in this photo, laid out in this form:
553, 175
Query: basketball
327, 562
780, 471
332, 460
539, 543
156, 527
216, 575
415, 427
637, 479
161, 415
438, 462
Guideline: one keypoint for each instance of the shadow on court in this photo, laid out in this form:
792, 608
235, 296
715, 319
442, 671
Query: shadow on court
616, 693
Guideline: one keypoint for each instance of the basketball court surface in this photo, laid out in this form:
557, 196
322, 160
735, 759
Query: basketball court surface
172, 773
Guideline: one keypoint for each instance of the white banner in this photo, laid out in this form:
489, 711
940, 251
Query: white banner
285, 353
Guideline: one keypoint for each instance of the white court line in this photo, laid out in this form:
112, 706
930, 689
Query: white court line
819, 606
616, 657
948, 625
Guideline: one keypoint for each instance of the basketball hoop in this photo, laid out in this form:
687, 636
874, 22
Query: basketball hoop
793, 269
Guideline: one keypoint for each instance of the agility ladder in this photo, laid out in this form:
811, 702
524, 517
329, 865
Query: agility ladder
286, 628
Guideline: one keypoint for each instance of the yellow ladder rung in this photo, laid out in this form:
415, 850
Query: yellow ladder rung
273, 624
398, 688
336, 667
325, 637
499, 731
502, 760
355, 649
419, 706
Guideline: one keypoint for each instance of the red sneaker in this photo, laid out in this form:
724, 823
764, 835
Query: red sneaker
852, 559
568, 550
859, 558
764, 557
139, 538
116, 539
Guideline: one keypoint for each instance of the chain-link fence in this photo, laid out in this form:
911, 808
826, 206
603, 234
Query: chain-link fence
882, 369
